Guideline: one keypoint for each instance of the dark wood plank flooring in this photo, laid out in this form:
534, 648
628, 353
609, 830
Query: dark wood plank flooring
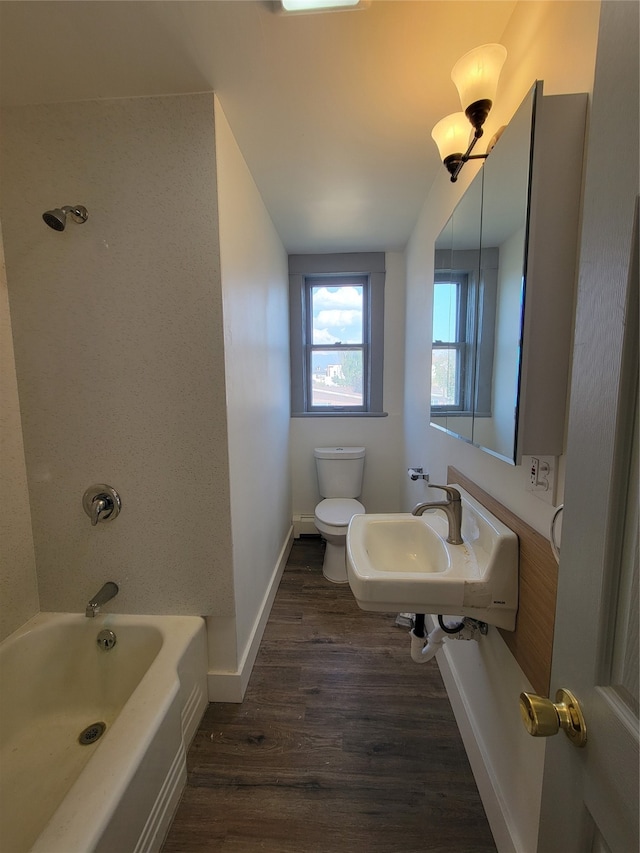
342, 744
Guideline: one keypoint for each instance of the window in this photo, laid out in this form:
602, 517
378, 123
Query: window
452, 359
337, 327
336, 342
464, 317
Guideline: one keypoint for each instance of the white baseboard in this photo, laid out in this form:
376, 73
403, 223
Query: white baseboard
488, 786
231, 686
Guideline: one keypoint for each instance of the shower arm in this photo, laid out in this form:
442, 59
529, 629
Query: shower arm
78, 213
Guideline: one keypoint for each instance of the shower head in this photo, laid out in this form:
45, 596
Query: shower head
57, 218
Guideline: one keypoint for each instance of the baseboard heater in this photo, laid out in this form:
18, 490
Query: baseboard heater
303, 525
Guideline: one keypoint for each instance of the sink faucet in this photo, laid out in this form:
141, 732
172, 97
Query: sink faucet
108, 591
452, 508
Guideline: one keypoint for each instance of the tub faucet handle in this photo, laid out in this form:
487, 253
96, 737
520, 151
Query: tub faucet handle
101, 503
99, 506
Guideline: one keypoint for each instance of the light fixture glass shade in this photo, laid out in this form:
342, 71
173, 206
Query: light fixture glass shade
451, 135
477, 73
318, 5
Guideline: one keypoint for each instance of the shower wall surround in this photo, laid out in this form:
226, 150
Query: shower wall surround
18, 584
118, 338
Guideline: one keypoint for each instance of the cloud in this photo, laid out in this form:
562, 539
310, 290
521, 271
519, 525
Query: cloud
339, 319
323, 336
337, 297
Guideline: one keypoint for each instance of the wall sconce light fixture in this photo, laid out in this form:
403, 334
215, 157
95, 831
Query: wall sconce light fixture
476, 77
306, 7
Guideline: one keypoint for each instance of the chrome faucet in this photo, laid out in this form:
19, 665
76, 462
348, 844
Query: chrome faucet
452, 508
108, 591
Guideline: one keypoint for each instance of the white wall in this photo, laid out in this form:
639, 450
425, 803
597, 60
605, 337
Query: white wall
382, 437
118, 337
255, 293
18, 584
554, 42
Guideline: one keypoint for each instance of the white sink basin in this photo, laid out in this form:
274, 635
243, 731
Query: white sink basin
398, 562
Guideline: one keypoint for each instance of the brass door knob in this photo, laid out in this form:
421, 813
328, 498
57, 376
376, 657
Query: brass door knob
543, 718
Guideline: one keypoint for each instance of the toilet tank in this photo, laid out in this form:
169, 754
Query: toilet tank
339, 471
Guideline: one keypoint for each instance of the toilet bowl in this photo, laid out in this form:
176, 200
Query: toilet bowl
332, 517
340, 481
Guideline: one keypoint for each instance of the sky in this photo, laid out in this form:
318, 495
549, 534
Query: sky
337, 315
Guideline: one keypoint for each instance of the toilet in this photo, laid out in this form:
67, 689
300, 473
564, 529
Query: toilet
340, 482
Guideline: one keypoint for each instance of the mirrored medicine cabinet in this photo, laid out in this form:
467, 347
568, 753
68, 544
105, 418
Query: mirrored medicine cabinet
504, 283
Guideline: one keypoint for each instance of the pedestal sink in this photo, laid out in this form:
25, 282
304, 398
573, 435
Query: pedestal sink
398, 562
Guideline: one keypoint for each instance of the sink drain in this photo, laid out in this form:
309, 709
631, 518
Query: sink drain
92, 733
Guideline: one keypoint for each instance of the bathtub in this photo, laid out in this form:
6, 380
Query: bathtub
116, 792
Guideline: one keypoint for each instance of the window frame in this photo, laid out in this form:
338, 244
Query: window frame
481, 271
463, 343
305, 271
309, 283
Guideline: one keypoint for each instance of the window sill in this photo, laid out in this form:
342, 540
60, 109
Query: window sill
339, 414
446, 413
449, 413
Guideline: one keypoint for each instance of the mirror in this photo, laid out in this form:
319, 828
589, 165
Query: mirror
455, 312
480, 274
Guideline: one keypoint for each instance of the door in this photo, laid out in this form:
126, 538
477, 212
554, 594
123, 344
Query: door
590, 794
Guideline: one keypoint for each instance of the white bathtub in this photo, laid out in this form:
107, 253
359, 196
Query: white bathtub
118, 794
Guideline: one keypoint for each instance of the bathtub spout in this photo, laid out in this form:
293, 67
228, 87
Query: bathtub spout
108, 591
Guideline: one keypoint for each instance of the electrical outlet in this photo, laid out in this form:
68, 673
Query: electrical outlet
541, 477
534, 473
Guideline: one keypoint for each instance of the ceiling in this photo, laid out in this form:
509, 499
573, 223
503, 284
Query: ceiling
333, 112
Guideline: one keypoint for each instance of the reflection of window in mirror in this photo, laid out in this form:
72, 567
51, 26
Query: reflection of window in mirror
453, 336
464, 310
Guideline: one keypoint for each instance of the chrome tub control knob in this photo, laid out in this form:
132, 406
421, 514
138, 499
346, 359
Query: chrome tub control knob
101, 503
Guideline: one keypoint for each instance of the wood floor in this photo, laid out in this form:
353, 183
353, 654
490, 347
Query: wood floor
342, 744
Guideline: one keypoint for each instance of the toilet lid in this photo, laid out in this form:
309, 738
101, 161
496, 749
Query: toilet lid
338, 511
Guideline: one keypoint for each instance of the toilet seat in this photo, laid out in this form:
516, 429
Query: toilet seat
338, 512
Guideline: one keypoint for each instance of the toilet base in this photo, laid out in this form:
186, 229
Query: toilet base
334, 567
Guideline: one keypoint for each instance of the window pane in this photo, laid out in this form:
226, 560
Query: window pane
336, 378
444, 377
445, 311
337, 314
